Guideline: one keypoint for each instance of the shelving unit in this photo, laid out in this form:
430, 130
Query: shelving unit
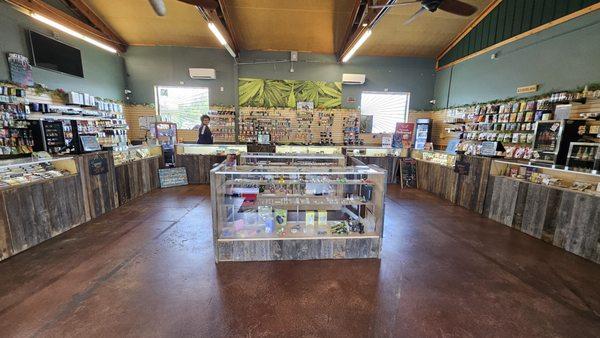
222, 124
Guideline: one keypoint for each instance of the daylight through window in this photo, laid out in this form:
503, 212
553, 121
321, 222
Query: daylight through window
386, 108
182, 105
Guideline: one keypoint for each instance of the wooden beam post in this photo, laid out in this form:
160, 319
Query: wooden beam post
85, 10
41, 8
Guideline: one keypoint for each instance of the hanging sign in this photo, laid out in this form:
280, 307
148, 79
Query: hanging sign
404, 135
98, 166
20, 69
462, 167
528, 89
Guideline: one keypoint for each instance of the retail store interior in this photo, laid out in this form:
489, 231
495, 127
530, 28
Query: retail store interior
287, 168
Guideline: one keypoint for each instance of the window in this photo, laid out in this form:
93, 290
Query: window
182, 105
386, 108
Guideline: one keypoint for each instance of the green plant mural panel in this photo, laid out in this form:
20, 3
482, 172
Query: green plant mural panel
286, 93
511, 18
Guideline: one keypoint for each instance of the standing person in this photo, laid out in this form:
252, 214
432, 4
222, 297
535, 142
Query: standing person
204, 133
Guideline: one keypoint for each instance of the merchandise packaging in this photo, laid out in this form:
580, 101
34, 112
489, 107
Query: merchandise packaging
280, 217
310, 222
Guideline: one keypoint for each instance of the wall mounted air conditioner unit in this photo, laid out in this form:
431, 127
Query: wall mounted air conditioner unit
353, 79
203, 73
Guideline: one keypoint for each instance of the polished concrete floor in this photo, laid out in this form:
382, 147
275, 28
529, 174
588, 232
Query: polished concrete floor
147, 269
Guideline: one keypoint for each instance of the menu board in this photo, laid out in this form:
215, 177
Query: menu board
172, 177
20, 69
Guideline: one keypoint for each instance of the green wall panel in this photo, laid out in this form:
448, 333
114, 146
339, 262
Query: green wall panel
511, 18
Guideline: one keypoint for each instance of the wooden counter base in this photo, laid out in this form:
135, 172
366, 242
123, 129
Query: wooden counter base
566, 219
297, 249
137, 178
198, 167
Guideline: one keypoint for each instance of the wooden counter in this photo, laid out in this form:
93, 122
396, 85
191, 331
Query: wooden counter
99, 191
35, 212
389, 163
437, 179
136, 178
567, 219
198, 167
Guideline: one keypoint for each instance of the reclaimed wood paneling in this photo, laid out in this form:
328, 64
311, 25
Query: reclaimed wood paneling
137, 178
567, 219
437, 179
100, 191
471, 188
198, 167
33, 213
300, 249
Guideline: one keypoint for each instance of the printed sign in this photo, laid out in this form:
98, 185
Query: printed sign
489, 148
528, 89
20, 69
172, 177
98, 166
462, 167
404, 135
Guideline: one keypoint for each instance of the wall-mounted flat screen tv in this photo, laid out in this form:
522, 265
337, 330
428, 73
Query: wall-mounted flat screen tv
52, 54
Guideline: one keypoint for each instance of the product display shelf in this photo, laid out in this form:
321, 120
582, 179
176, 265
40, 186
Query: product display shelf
199, 159
292, 159
559, 215
35, 211
299, 149
297, 213
222, 124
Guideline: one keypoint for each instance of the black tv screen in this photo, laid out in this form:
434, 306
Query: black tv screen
54, 55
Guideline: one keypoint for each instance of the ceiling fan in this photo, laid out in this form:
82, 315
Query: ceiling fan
161, 10
456, 7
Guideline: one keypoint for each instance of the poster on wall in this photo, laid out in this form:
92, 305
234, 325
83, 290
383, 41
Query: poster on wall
287, 93
404, 135
20, 69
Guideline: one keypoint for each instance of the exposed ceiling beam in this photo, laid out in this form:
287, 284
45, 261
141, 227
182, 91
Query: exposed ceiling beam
85, 10
41, 8
220, 17
362, 19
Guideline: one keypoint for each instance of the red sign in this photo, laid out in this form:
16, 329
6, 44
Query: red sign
403, 136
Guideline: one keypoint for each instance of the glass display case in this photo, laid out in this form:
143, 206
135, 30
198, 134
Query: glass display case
290, 149
25, 171
256, 209
552, 138
122, 155
292, 159
584, 157
366, 151
210, 149
438, 157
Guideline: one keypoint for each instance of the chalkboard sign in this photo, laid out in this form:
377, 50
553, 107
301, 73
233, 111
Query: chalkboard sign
172, 177
98, 166
462, 167
20, 69
408, 173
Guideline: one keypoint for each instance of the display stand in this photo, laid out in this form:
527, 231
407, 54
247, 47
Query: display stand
297, 213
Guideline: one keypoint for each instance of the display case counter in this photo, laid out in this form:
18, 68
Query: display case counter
199, 159
136, 171
39, 199
558, 206
386, 158
282, 159
295, 212
291, 149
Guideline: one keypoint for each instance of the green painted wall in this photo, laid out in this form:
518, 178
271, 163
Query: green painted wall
148, 66
562, 57
103, 71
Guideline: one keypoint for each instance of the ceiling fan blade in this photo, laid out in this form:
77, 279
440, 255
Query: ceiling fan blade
159, 7
416, 15
209, 4
396, 4
457, 7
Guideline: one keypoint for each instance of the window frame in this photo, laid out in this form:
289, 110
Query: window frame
157, 103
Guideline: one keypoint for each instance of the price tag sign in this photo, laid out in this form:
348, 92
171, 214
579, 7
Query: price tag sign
555, 126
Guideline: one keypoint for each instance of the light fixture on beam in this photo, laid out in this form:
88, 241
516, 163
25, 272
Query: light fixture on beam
213, 28
357, 45
73, 33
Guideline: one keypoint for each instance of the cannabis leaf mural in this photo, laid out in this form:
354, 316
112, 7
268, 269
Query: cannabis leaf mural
285, 93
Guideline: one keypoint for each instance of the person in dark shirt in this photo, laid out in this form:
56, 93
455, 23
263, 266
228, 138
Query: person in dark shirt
204, 133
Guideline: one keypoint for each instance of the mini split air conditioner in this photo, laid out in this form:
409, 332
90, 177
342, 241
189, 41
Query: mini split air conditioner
203, 73
353, 79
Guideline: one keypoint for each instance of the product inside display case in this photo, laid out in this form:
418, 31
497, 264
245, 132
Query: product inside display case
293, 159
297, 202
24, 171
584, 157
210, 149
551, 175
367, 151
128, 154
437, 157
